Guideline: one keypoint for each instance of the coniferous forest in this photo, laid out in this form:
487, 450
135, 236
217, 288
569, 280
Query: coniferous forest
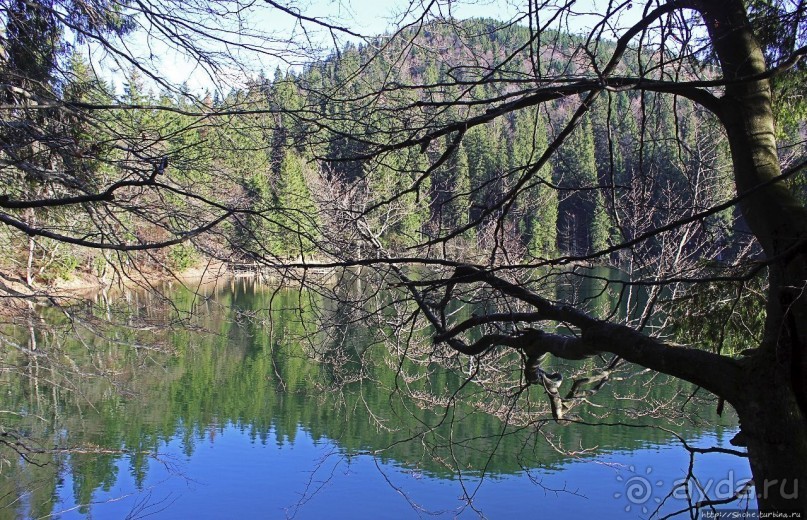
545, 206
262, 148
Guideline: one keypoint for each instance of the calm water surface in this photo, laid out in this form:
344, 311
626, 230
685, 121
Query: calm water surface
245, 420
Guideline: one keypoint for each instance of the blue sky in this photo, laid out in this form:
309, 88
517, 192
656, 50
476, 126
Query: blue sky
368, 17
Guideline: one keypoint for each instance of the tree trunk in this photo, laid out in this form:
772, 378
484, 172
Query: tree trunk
29, 264
774, 429
771, 399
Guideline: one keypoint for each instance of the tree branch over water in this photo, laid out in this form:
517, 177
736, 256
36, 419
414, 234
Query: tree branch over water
520, 192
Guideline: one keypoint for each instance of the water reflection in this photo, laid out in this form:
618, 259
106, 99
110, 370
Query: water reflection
243, 402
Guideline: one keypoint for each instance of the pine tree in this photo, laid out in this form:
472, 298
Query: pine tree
538, 208
485, 165
450, 192
296, 216
581, 227
395, 179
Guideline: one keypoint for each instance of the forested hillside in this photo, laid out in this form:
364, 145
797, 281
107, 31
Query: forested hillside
291, 160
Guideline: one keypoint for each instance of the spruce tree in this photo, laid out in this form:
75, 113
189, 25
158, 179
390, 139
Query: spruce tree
537, 210
581, 228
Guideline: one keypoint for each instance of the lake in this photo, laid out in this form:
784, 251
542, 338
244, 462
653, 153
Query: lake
235, 411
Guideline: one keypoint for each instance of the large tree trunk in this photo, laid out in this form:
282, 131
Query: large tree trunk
771, 400
775, 432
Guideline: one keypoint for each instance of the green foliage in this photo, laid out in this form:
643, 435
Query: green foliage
33, 42
720, 316
539, 206
450, 192
65, 266
487, 163
582, 225
252, 155
397, 184
296, 216
790, 106
182, 257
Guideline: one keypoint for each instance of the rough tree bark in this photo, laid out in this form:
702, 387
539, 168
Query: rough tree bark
770, 396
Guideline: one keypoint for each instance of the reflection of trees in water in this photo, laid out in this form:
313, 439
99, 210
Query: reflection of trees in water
275, 372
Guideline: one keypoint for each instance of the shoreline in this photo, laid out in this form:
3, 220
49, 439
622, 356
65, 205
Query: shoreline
84, 285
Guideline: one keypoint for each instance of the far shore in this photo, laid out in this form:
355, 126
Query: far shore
83, 284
